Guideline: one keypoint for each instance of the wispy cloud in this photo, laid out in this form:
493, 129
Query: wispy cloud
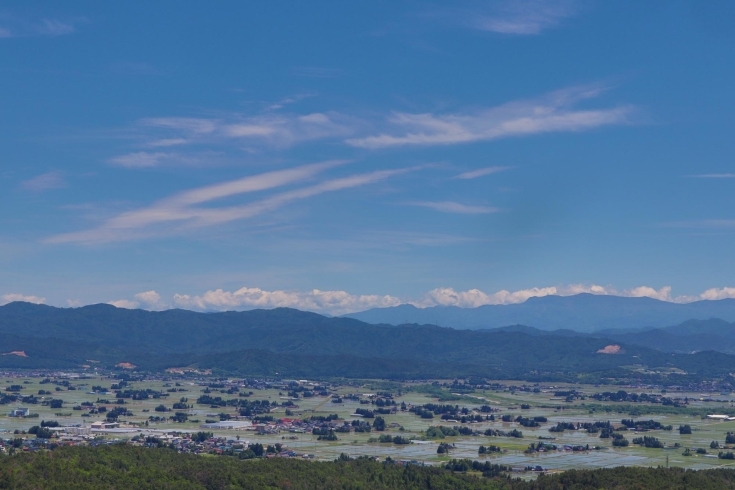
140, 159
289, 100
44, 182
11, 26
556, 112
480, 172
704, 223
269, 128
713, 176
180, 212
523, 17
454, 207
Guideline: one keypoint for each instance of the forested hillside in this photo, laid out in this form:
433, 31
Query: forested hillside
295, 343
125, 467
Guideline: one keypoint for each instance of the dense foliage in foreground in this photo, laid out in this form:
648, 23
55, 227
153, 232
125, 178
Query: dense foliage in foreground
121, 466
634, 479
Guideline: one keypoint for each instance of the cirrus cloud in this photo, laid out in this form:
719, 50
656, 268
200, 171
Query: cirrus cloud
556, 112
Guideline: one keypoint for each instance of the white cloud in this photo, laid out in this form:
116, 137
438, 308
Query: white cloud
333, 302
74, 303
454, 207
44, 182
663, 294
342, 302
474, 297
715, 293
9, 298
480, 172
524, 17
124, 303
178, 213
553, 113
151, 300
147, 300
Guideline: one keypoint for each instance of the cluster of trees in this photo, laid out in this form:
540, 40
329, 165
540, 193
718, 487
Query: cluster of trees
499, 433
41, 432
624, 396
618, 440
641, 425
530, 422
440, 432
488, 470
488, 450
122, 466
648, 441
394, 439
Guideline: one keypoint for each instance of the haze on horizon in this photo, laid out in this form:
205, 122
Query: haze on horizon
340, 157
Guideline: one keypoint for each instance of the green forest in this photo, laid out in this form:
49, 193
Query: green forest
123, 467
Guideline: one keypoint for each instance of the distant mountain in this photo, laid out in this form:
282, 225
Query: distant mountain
294, 343
582, 313
690, 336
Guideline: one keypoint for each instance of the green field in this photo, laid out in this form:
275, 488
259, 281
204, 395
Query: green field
543, 403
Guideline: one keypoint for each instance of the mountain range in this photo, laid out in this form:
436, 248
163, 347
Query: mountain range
581, 313
290, 342
687, 337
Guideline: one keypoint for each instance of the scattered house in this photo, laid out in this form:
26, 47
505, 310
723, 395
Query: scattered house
99, 425
720, 417
20, 412
228, 424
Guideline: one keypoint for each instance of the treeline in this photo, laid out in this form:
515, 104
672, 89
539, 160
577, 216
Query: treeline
633, 478
122, 466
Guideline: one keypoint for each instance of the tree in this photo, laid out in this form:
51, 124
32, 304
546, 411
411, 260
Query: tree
257, 449
379, 424
444, 448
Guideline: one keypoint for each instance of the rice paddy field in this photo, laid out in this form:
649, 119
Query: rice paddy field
537, 400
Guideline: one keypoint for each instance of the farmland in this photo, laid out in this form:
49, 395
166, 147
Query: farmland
293, 414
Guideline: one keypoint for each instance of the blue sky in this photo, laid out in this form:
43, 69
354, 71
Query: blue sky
343, 155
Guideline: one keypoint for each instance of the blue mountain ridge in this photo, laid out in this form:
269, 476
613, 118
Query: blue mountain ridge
582, 313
